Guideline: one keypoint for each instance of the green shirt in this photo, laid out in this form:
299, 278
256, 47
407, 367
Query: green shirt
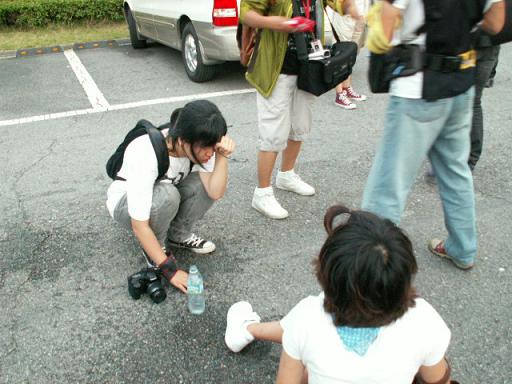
266, 66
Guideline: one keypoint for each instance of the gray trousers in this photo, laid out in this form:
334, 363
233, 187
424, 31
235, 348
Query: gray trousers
174, 209
486, 61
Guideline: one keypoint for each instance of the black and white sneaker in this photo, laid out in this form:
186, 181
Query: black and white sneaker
195, 244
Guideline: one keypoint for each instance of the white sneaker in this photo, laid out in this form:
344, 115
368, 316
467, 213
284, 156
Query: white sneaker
264, 202
290, 181
240, 315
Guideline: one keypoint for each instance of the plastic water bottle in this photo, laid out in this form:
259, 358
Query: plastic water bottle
195, 291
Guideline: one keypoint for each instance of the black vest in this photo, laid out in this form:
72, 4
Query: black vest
448, 24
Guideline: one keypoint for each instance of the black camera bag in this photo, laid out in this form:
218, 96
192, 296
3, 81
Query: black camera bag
321, 75
143, 127
380, 71
401, 61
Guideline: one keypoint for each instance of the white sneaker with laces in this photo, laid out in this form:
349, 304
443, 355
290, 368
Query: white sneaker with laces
240, 315
195, 243
290, 181
265, 202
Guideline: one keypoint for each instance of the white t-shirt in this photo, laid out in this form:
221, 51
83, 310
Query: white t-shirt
413, 17
140, 169
419, 337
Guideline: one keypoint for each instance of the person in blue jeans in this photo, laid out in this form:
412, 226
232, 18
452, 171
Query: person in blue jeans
429, 114
487, 58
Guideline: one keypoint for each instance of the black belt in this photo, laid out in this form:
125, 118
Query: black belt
442, 63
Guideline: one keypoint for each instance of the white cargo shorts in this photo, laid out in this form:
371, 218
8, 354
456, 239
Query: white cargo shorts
285, 115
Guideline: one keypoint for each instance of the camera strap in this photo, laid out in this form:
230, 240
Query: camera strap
299, 37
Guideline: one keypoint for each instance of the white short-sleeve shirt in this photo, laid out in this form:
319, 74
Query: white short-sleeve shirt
419, 337
140, 169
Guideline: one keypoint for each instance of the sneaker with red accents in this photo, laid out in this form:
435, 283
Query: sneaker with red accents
351, 94
343, 101
436, 246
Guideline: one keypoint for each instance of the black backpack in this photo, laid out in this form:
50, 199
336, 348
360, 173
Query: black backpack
143, 127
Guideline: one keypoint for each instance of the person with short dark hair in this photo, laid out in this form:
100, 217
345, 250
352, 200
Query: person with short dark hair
161, 212
368, 325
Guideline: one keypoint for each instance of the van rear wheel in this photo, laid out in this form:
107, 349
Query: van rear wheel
192, 58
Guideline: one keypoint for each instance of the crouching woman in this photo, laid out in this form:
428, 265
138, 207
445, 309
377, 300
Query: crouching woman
161, 212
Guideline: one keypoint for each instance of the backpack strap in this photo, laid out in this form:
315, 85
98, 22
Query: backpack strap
159, 145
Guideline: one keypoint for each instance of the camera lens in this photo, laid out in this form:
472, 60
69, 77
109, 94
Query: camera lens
156, 292
134, 288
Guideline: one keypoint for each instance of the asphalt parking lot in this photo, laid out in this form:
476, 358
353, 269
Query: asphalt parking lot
66, 314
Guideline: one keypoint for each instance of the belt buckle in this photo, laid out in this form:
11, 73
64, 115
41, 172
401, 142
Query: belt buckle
468, 59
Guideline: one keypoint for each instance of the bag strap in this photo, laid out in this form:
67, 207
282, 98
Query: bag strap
159, 145
336, 37
300, 38
257, 39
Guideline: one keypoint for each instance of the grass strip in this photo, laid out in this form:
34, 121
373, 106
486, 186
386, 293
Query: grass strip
15, 38
38, 13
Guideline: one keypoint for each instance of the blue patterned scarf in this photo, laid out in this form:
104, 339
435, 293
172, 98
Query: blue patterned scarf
357, 340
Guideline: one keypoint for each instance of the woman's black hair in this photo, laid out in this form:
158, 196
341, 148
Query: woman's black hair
197, 123
365, 267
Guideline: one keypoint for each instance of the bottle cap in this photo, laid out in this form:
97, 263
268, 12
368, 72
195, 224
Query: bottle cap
193, 269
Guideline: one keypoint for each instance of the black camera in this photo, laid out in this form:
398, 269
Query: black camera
147, 280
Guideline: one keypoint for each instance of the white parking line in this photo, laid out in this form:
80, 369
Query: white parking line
94, 94
165, 100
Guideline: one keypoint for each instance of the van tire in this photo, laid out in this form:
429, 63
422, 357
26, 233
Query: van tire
196, 70
137, 42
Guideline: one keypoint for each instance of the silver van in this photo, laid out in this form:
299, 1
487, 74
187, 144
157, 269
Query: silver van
203, 30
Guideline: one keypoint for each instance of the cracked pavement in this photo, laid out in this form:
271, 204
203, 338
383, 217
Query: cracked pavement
65, 312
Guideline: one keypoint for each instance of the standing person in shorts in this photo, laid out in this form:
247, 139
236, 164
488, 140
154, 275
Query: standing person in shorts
353, 29
284, 111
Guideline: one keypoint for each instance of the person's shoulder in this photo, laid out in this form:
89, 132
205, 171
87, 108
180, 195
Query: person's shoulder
140, 143
423, 314
313, 301
423, 306
311, 306
305, 312
401, 4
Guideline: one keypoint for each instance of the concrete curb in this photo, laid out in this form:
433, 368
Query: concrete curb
59, 48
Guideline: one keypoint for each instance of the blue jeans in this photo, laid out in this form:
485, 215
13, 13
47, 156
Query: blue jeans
440, 129
486, 61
